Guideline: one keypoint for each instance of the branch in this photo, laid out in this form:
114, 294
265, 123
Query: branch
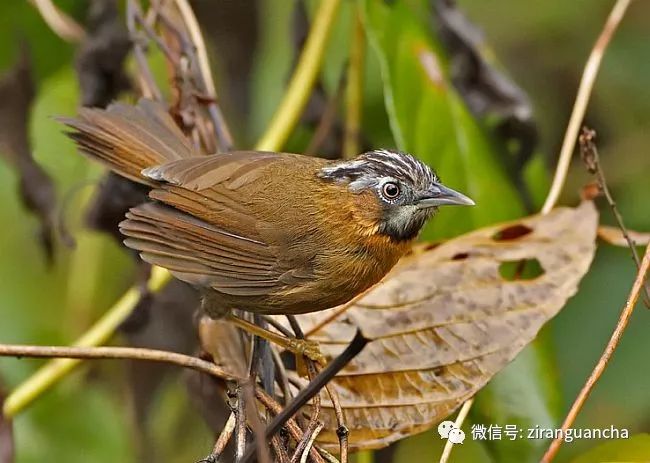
113, 353
582, 99
598, 370
223, 132
303, 79
313, 388
98, 334
589, 154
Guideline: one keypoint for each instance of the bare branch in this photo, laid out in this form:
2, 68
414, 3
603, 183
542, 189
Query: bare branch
582, 99
598, 370
118, 353
589, 154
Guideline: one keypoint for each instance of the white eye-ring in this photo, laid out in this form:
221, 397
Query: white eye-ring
390, 190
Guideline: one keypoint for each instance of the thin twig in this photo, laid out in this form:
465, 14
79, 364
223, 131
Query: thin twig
582, 99
222, 441
280, 452
315, 410
307, 442
115, 353
60, 23
240, 425
303, 79
342, 432
589, 154
598, 370
354, 89
314, 387
224, 437
281, 374
278, 326
462, 414
291, 426
148, 86
223, 132
256, 423
310, 443
96, 335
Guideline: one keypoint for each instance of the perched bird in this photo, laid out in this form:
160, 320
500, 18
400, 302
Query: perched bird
269, 233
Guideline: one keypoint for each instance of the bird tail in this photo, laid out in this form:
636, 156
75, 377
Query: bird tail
128, 139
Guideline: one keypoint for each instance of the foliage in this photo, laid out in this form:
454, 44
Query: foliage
409, 101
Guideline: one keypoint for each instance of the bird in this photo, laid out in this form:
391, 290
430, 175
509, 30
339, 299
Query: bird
263, 232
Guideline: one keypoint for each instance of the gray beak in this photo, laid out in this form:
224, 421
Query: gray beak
440, 195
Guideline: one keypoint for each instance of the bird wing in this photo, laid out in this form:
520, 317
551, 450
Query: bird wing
208, 232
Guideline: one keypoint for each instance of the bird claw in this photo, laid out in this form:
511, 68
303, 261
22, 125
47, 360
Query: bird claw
307, 348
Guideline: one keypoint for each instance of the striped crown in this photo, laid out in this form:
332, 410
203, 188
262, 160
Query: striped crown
368, 168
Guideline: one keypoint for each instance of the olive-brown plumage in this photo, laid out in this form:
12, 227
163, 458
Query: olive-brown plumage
264, 232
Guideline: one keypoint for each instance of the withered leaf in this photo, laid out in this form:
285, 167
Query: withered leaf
614, 235
444, 322
36, 187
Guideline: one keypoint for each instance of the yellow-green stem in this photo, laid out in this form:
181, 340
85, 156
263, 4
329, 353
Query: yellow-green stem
283, 123
365, 456
98, 334
354, 90
303, 79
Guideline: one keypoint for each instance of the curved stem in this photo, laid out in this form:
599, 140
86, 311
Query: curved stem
62, 24
462, 414
98, 334
598, 370
303, 79
115, 353
582, 99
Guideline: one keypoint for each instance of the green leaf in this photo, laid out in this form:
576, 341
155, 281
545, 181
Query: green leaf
634, 449
524, 394
429, 119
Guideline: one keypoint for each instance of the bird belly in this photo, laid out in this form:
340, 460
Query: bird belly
338, 278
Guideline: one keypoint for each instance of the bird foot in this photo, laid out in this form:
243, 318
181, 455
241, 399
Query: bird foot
307, 348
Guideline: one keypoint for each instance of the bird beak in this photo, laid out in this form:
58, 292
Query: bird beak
440, 195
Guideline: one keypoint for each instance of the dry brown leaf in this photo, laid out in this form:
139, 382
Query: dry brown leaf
614, 235
445, 321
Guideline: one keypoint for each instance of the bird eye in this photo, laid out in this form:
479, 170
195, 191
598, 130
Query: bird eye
390, 190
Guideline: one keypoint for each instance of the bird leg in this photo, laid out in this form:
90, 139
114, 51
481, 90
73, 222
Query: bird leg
297, 346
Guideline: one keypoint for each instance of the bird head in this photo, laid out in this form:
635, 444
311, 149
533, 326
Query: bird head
406, 189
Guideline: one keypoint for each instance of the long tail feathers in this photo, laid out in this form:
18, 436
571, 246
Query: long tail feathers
128, 139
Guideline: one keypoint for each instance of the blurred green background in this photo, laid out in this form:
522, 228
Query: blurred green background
541, 45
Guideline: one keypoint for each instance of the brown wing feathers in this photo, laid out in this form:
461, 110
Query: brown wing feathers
128, 138
204, 233
198, 252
